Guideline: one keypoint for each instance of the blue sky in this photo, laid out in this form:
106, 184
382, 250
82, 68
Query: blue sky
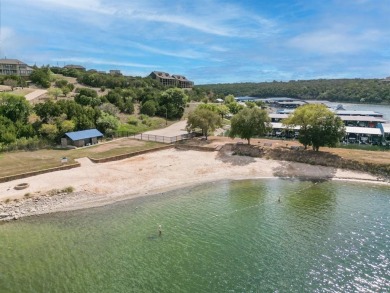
208, 41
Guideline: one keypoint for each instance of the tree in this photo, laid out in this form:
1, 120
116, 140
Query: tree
249, 123
107, 123
109, 108
235, 107
55, 92
318, 126
41, 76
66, 126
7, 130
65, 90
11, 82
47, 110
49, 131
149, 108
60, 83
229, 99
223, 110
172, 103
15, 108
205, 119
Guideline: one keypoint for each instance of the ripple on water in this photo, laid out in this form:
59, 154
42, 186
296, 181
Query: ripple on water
221, 237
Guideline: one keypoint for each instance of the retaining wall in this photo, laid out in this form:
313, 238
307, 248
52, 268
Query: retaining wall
38, 172
129, 155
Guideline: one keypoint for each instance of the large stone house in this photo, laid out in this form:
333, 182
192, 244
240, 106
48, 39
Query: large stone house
171, 80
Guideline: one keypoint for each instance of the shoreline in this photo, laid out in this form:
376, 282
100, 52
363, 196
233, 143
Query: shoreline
150, 174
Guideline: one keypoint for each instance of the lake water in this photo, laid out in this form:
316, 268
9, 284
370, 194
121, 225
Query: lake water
221, 237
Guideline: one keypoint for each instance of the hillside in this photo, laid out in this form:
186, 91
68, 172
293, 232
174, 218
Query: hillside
344, 90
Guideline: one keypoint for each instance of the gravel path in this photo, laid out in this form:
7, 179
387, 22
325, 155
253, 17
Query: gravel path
35, 94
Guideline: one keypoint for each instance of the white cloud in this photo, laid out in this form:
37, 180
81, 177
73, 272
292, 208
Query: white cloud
334, 42
211, 17
103, 62
185, 53
86, 5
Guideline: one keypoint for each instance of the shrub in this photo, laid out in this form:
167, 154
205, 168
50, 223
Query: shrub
149, 108
133, 121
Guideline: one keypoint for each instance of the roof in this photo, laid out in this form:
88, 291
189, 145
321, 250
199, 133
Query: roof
292, 103
83, 134
281, 99
11, 61
163, 75
180, 77
363, 130
359, 113
362, 118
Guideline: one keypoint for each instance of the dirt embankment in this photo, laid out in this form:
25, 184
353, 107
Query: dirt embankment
312, 158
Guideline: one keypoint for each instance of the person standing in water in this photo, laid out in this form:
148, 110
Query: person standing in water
159, 230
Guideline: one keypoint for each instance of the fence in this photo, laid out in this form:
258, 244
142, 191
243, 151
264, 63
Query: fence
156, 138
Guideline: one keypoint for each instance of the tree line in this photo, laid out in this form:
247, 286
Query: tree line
340, 90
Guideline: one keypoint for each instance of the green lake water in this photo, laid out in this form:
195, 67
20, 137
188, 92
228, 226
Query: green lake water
228, 236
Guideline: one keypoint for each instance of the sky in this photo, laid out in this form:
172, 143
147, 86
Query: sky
208, 41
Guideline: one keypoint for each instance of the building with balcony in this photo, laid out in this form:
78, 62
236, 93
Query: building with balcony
14, 67
171, 80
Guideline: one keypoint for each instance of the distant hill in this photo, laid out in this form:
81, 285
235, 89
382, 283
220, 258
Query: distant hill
342, 90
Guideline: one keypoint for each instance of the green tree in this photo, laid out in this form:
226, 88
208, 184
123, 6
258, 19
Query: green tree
235, 107
47, 110
172, 103
49, 131
15, 108
107, 123
149, 108
7, 130
65, 90
229, 99
318, 126
66, 126
55, 92
249, 123
60, 83
222, 110
41, 76
205, 119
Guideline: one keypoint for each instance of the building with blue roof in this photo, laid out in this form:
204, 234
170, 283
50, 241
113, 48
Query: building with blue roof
81, 138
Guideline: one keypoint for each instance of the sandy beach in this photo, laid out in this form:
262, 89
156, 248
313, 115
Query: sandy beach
152, 173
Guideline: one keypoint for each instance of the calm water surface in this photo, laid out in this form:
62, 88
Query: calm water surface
221, 237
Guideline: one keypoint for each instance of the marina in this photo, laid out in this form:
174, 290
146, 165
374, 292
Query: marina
362, 126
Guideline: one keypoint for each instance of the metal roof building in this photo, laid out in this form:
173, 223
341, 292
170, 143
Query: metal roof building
358, 113
81, 138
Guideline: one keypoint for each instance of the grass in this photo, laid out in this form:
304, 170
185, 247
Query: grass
26, 161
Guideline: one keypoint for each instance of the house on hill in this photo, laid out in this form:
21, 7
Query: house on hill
171, 80
81, 138
14, 67
183, 82
77, 67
